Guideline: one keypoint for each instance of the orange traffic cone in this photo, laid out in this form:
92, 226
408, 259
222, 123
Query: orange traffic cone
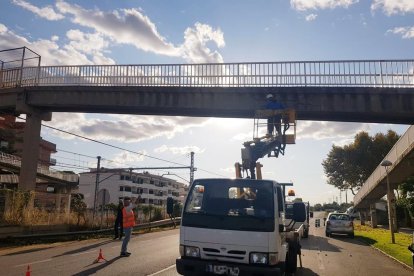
28, 271
100, 257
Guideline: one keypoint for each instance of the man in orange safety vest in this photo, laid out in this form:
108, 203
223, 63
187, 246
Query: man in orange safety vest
128, 222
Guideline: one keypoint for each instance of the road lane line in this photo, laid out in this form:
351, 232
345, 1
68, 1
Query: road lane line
42, 261
320, 261
161, 271
81, 253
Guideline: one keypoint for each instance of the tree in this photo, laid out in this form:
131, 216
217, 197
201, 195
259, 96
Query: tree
405, 199
78, 207
348, 167
317, 207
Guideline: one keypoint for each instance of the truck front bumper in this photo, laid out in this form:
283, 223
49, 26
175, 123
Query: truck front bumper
205, 267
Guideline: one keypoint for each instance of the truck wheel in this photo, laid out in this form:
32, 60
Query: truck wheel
306, 233
292, 259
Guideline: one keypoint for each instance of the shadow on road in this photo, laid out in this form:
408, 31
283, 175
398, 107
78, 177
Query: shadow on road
28, 251
95, 269
83, 249
318, 243
305, 272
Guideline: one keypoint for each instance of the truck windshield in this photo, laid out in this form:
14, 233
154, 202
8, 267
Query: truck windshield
240, 204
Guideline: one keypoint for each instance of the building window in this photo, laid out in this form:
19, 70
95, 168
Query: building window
121, 188
127, 189
151, 192
151, 181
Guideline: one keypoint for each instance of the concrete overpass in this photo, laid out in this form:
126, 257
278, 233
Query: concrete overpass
349, 91
379, 91
402, 158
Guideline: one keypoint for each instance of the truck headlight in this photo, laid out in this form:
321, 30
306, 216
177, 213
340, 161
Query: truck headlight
192, 251
259, 258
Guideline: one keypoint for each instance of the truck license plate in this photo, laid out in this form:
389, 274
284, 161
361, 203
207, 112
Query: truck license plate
223, 270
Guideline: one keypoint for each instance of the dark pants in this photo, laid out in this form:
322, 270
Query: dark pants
274, 122
118, 223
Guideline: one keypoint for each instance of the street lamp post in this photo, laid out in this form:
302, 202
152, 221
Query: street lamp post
386, 164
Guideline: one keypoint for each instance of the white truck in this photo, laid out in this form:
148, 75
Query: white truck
236, 227
301, 226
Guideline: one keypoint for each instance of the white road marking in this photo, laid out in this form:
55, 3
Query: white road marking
81, 253
42, 261
320, 261
161, 271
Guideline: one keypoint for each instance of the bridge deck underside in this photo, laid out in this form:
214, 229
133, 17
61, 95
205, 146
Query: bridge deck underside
347, 104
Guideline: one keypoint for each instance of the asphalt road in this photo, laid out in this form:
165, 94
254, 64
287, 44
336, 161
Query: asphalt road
155, 253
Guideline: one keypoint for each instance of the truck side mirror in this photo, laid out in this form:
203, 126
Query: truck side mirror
170, 205
311, 214
299, 212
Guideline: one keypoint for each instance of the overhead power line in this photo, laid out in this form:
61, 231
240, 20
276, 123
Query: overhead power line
120, 148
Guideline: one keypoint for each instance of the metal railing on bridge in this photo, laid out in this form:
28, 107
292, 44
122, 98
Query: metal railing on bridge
16, 162
352, 73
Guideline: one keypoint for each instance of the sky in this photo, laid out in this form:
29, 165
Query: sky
191, 31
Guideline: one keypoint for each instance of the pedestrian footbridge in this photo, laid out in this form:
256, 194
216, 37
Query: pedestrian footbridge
402, 159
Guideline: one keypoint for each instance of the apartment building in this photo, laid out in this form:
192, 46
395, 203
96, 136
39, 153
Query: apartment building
120, 183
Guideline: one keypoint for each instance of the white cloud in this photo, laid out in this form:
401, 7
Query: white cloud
194, 48
124, 128
131, 26
46, 12
52, 53
393, 6
328, 130
311, 17
125, 26
243, 136
179, 150
303, 5
405, 32
124, 159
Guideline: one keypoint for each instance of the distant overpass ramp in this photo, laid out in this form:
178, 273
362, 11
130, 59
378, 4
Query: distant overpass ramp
402, 158
13, 163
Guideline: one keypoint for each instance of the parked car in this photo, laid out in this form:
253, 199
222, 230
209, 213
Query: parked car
339, 223
353, 213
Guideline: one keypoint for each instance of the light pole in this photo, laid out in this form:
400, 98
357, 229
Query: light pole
386, 164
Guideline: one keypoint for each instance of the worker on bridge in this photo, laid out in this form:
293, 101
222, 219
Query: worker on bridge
274, 121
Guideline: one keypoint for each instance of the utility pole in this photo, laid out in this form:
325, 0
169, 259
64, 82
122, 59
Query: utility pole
98, 166
192, 169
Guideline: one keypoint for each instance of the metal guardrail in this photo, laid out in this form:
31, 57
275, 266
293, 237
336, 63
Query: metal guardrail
43, 170
395, 155
141, 226
351, 73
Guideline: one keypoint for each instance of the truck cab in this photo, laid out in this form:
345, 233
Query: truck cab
234, 227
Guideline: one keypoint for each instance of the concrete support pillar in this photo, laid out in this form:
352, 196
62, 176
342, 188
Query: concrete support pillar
363, 216
374, 219
30, 156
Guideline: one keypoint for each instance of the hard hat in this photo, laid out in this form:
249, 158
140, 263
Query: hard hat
291, 192
269, 96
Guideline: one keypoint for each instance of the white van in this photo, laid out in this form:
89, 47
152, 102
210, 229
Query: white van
235, 227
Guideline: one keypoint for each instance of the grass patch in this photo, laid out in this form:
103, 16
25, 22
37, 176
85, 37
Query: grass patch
381, 239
